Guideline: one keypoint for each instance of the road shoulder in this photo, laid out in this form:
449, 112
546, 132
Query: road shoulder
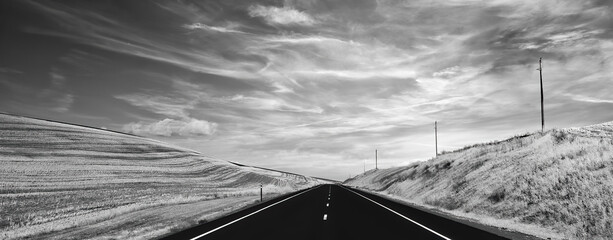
504, 232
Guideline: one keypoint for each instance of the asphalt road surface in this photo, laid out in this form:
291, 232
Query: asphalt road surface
332, 212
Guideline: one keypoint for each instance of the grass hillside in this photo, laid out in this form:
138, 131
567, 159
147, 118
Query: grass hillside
60, 181
560, 180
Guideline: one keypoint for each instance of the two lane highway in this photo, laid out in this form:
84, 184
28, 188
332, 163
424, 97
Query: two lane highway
333, 212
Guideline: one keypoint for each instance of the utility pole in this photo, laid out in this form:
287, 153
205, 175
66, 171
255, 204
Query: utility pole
540, 69
376, 159
435, 138
261, 198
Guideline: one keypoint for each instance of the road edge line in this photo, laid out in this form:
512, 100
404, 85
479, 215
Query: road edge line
411, 220
243, 217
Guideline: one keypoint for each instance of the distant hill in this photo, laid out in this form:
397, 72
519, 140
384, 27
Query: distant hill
67, 181
561, 180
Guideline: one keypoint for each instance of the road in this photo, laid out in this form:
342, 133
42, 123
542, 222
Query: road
332, 212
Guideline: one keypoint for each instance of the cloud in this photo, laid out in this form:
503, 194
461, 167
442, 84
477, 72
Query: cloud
280, 88
307, 39
168, 106
83, 26
343, 11
57, 94
10, 70
313, 57
46, 94
194, 26
281, 16
64, 103
589, 99
274, 104
360, 74
448, 72
172, 127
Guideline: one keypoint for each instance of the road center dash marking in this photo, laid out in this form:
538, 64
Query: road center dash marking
325, 217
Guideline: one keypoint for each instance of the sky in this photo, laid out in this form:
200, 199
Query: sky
310, 86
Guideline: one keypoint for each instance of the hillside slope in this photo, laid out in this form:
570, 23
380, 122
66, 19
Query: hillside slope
561, 179
63, 181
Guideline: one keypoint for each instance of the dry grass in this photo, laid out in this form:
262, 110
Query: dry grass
57, 180
561, 180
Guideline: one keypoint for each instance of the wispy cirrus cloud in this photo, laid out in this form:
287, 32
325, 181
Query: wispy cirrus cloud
61, 99
201, 26
113, 36
10, 70
164, 105
271, 104
590, 99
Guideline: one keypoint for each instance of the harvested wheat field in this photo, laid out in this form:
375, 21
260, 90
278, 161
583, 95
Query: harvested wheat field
60, 181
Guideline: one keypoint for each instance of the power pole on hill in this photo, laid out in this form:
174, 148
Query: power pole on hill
540, 69
436, 138
376, 159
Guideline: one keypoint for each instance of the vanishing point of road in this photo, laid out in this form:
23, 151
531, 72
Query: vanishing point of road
332, 212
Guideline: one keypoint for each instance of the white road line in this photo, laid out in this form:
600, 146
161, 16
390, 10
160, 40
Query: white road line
327, 204
418, 224
225, 225
325, 217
